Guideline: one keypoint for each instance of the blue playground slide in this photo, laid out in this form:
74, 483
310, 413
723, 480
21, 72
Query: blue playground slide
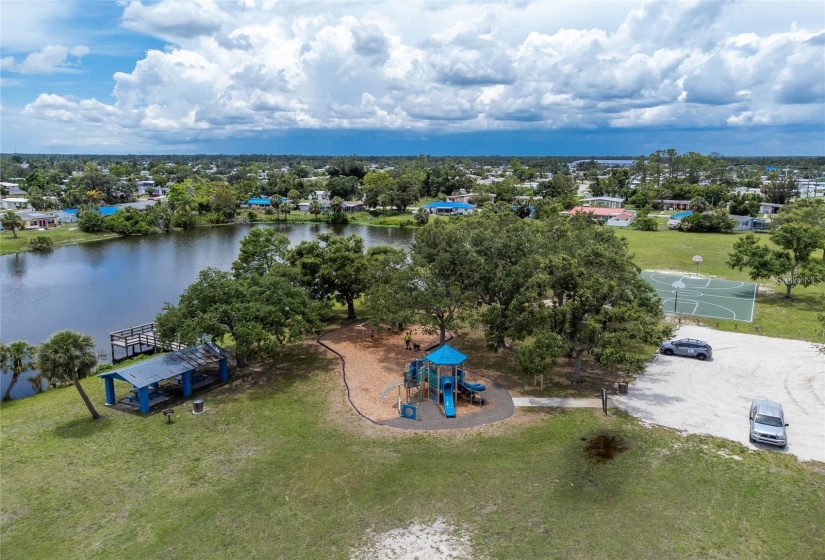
447, 391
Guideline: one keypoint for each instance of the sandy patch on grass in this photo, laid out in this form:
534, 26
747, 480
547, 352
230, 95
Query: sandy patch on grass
418, 541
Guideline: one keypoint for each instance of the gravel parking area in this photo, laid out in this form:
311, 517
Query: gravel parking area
712, 397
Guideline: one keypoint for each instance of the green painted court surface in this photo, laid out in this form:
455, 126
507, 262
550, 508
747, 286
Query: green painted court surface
704, 297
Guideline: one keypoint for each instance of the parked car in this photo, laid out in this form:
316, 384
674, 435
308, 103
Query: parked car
768, 423
687, 347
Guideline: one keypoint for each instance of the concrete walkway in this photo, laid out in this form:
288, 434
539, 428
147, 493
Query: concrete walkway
560, 403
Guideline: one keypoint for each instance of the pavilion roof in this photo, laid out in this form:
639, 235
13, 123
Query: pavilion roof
153, 370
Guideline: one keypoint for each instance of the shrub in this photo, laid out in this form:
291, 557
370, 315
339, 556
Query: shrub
41, 243
714, 221
91, 221
184, 220
645, 223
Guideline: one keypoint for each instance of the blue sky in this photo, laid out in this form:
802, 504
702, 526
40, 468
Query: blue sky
425, 76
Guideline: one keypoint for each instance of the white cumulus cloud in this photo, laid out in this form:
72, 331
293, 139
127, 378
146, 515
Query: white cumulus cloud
239, 67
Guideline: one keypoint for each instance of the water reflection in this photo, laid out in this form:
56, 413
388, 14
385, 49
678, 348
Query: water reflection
100, 287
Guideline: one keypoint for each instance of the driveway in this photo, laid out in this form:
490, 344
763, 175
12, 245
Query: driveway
712, 397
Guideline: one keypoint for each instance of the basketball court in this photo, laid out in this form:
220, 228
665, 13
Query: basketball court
704, 297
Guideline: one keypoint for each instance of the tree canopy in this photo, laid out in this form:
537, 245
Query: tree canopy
790, 263
333, 267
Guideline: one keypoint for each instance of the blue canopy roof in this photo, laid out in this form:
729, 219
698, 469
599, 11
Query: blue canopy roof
456, 205
143, 374
258, 201
105, 210
446, 356
681, 215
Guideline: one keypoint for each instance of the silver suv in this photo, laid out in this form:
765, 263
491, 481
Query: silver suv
768, 423
687, 347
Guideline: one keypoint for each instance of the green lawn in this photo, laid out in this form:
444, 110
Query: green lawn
390, 219
775, 315
280, 467
64, 235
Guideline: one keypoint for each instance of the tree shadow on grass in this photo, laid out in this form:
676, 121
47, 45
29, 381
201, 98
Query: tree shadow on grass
262, 378
82, 427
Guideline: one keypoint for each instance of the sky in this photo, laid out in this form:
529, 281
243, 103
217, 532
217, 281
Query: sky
412, 77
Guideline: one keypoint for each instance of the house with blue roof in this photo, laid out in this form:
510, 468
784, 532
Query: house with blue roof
449, 208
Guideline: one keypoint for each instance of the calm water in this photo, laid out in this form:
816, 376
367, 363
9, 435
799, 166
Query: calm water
97, 288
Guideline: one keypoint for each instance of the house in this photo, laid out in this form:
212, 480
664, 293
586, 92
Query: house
260, 202
604, 201
464, 197
352, 206
611, 216
675, 220
12, 189
144, 186
668, 204
769, 208
69, 215
15, 203
39, 220
304, 206
449, 208
746, 223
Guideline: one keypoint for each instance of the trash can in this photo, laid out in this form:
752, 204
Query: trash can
197, 407
622, 388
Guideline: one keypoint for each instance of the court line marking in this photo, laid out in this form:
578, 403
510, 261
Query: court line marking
744, 298
733, 283
753, 288
693, 301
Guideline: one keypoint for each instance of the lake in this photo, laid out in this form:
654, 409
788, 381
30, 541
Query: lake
104, 286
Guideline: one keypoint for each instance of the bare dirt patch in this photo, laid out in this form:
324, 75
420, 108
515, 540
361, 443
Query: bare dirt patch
604, 447
419, 541
374, 364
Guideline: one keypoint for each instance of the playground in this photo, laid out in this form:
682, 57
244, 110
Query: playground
384, 378
704, 297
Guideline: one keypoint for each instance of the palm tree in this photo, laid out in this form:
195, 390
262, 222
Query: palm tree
275, 203
68, 357
383, 201
15, 359
94, 196
315, 208
12, 221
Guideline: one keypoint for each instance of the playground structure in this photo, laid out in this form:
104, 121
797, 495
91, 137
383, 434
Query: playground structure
439, 377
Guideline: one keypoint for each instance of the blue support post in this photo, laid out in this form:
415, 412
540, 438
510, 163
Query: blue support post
186, 377
110, 391
223, 371
143, 396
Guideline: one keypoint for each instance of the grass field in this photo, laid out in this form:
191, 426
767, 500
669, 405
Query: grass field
775, 315
280, 467
64, 235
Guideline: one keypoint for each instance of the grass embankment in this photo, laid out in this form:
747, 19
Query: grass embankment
365, 218
279, 467
66, 234
775, 315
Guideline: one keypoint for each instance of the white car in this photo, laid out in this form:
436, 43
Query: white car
768, 423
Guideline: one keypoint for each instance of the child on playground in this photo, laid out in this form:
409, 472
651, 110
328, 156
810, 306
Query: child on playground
407, 341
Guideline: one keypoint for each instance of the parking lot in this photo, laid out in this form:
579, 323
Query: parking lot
712, 397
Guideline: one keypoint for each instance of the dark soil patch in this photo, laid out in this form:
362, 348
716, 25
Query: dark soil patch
604, 447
